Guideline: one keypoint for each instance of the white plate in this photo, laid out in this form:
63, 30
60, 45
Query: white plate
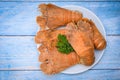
98, 54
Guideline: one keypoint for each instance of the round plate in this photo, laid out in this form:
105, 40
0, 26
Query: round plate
79, 68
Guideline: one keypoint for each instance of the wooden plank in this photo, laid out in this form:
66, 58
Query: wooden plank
18, 18
38, 75
20, 53
59, 0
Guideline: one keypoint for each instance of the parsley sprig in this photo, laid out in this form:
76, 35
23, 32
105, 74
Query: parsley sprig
63, 45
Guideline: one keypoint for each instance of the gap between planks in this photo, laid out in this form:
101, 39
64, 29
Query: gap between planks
1, 36
40, 70
62, 1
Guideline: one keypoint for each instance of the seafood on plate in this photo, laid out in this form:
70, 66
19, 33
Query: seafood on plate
54, 16
72, 44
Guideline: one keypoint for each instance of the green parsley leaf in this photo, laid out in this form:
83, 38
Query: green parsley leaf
63, 45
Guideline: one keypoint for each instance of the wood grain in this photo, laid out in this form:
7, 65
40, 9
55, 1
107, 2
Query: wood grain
20, 53
38, 75
18, 18
59, 0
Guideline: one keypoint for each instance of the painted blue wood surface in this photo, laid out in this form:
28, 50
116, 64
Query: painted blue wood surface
38, 75
18, 18
59, 0
18, 53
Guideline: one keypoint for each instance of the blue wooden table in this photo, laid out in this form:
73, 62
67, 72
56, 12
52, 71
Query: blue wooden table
18, 53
